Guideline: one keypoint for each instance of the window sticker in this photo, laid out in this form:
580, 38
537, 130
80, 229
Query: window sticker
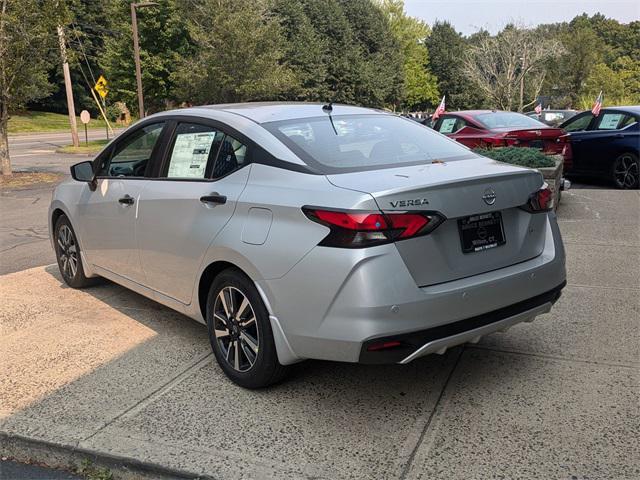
447, 125
190, 155
610, 121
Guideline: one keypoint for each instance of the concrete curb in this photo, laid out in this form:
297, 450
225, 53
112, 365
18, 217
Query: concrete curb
61, 456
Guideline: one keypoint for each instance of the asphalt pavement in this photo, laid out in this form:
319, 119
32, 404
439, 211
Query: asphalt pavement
23, 211
19, 471
106, 371
36, 152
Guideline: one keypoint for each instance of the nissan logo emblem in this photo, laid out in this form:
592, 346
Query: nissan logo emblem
489, 196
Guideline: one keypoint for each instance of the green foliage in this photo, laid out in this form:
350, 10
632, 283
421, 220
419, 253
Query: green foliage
164, 41
238, 53
28, 46
366, 52
26, 122
420, 84
91, 472
445, 46
522, 156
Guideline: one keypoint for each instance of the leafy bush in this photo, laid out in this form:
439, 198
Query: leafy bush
522, 156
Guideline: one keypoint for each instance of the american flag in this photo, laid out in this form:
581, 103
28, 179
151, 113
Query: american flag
538, 108
598, 105
439, 111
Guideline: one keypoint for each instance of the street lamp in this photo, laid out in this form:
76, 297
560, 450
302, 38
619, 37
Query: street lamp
136, 51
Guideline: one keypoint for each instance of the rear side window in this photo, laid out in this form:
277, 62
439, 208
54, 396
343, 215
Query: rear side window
232, 156
132, 154
614, 121
343, 143
194, 148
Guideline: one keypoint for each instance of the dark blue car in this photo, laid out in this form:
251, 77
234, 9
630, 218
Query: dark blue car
606, 146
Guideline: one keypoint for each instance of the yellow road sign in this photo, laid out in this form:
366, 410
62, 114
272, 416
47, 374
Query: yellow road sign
101, 86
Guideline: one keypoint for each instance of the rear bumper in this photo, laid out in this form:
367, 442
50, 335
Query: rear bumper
335, 301
439, 339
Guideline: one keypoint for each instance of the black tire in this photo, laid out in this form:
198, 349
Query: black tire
242, 341
625, 171
68, 255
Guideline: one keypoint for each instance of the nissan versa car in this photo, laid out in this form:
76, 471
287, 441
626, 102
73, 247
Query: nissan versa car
298, 231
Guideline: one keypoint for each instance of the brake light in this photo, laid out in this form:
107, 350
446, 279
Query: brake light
356, 229
540, 201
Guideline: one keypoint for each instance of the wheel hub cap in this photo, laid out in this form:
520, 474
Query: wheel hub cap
236, 328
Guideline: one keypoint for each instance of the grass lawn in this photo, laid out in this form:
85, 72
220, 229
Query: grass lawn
27, 122
94, 146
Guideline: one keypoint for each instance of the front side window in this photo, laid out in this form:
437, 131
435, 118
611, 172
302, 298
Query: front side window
342, 143
451, 125
194, 147
132, 155
578, 123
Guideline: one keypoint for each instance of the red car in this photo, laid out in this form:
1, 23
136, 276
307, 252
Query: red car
495, 128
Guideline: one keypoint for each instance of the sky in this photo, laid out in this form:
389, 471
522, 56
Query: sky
468, 16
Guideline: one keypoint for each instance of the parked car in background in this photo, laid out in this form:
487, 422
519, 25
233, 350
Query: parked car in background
298, 231
552, 118
495, 128
605, 146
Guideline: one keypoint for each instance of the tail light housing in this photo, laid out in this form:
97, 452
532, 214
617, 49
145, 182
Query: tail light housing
567, 151
360, 229
540, 201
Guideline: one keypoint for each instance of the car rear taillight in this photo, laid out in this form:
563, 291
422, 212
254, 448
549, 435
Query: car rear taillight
357, 229
540, 201
567, 152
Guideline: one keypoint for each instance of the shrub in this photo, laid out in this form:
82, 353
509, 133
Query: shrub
522, 156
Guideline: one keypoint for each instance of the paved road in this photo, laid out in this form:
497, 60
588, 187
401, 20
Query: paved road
36, 152
107, 370
23, 230
17, 471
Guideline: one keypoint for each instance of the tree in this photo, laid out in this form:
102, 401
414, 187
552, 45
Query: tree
85, 34
239, 48
304, 51
509, 67
164, 41
28, 41
419, 84
446, 47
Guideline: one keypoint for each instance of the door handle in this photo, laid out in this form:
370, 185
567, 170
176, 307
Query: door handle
215, 197
126, 200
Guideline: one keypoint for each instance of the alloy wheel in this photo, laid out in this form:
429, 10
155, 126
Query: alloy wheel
68, 251
626, 171
236, 328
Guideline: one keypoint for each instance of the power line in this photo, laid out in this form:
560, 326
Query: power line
84, 54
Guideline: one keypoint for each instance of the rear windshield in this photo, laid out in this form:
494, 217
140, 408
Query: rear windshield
507, 120
347, 143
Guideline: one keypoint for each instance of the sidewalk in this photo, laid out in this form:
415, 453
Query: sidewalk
109, 372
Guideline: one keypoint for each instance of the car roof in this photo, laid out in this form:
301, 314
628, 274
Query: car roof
263, 112
631, 109
553, 110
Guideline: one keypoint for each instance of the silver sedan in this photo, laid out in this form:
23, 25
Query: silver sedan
297, 231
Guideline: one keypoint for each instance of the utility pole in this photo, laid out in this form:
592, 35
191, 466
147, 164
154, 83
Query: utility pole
136, 52
67, 85
524, 66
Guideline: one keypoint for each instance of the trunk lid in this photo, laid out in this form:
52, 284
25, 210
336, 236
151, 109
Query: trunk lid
455, 190
545, 138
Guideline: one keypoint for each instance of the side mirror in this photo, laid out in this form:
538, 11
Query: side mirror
83, 172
